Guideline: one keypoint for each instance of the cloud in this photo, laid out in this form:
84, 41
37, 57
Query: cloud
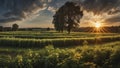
100, 6
113, 19
13, 10
18, 10
107, 11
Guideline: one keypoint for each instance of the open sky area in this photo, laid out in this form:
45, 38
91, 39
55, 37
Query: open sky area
39, 13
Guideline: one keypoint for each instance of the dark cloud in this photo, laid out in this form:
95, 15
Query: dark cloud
13, 10
10, 20
16, 10
57, 3
114, 12
113, 19
100, 6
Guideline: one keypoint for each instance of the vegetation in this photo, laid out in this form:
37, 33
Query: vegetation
37, 39
1, 28
17, 42
67, 17
15, 27
34, 49
78, 57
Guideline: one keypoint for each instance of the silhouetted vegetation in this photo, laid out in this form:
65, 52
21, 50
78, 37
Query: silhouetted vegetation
1, 28
67, 17
15, 27
48, 29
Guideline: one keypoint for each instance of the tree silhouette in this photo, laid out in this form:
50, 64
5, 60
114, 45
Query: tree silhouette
15, 27
48, 29
1, 28
67, 17
59, 20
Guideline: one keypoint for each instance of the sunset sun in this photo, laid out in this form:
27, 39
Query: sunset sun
97, 24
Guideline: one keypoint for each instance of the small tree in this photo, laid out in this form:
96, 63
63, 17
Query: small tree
1, 28
15, 27
48, 29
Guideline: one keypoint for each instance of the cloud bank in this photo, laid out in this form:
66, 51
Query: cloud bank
13, 10
107, 10
18, 10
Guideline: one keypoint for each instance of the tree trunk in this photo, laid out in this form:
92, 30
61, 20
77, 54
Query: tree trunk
69, 29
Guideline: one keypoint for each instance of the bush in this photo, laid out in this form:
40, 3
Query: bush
80, 57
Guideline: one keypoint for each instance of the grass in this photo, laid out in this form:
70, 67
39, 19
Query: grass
63, 42
34, 49
78, 57
51, 35
41, 39
9, 50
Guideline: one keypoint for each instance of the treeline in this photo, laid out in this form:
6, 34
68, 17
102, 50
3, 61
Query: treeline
14, 27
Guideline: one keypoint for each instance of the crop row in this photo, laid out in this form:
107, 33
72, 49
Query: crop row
63, 42
38, 37
38, 33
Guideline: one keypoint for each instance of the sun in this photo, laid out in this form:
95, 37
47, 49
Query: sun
97, 24
98, 27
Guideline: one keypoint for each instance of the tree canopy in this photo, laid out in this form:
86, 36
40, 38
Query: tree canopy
15, 27
67, 17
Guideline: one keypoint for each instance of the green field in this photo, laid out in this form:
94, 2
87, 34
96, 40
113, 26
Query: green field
35, 49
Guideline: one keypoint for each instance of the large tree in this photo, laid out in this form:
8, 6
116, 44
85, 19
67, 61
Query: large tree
59, 20
67, 17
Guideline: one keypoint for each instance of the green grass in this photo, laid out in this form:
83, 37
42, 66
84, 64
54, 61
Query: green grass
41, 39
51, 35
63, 42
78, 57
34, 49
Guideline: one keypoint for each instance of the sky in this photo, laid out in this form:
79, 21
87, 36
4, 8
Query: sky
39, 13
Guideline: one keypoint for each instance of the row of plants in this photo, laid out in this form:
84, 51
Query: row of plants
79, 57
38, 37
63, 42
51, 37
39, 33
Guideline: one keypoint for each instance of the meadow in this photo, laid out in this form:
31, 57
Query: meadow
50, 49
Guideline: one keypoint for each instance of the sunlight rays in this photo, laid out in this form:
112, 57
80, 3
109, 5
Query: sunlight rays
98, 27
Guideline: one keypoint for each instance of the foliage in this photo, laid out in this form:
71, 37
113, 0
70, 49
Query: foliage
67, 17
79, 57
15, 27
76, 50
